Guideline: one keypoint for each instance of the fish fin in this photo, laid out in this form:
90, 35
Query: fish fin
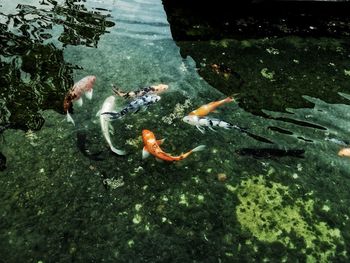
160, 142
211, 128
117, 151
145, 153
136, 111
159, 160
110, 128
80, 102
98, 113
198, 148
70, 119
88, 94
200, 129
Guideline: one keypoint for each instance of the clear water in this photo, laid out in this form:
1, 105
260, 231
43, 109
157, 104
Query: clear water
66, 197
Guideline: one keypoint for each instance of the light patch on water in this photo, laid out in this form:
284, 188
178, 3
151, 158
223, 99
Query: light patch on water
114, 183
326, 208
273, 51
137, 219
267, 74
138, 207
183, 200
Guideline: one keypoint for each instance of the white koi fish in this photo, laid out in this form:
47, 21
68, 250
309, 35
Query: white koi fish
106, 127
205, 122
134, 106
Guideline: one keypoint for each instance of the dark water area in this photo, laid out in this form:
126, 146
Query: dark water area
292, 44
269, 185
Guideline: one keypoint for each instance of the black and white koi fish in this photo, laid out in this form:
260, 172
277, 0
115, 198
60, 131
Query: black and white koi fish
134, 106
205, 122
155, 89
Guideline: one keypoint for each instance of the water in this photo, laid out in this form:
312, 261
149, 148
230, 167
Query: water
66, 197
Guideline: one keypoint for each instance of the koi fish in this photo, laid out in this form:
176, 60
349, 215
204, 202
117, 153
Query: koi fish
151, 146
141, 92
205, 122
106, 127
207, 108
134, 106
344, 152
83, 86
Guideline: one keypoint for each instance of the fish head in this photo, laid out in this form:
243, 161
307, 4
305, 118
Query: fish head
147, 136
345, 152
160, 88
190, 119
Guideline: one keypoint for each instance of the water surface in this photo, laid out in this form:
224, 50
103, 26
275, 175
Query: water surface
279, 193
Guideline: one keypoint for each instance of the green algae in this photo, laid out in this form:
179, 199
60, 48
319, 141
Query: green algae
268, 211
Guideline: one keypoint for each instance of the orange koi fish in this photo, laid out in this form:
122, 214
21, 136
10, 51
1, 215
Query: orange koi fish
152, 147
345, 152
83, 86
207, 108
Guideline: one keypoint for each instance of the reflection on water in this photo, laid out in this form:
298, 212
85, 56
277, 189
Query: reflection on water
34, 73
275, 192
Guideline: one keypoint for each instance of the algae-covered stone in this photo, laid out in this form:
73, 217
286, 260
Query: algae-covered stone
266, 210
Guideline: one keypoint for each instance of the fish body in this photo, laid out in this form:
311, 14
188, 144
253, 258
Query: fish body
155, 89
134, 106
83, 86
151, 146
108, 105
344, 152
211, 123
207, 108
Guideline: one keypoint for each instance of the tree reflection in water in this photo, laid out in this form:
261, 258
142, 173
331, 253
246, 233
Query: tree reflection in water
33, 73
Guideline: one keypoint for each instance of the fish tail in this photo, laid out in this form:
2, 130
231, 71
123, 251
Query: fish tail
229, 99
185, 155
70, 119
198, 148
118, 91
117, 151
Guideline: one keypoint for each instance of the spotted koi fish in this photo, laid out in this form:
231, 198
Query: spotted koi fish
134, 106
151, 146
155, 89
83, 86
205, 122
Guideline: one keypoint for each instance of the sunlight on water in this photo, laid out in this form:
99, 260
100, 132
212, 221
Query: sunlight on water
275, 192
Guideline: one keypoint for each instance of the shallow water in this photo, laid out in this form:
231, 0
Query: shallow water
67, 197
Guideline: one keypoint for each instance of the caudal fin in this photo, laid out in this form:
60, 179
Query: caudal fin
198, 148
117, 151
70, 119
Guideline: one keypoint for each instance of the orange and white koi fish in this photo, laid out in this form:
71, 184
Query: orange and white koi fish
207, 108
83, 86
155, 89
151, 146
345, 152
